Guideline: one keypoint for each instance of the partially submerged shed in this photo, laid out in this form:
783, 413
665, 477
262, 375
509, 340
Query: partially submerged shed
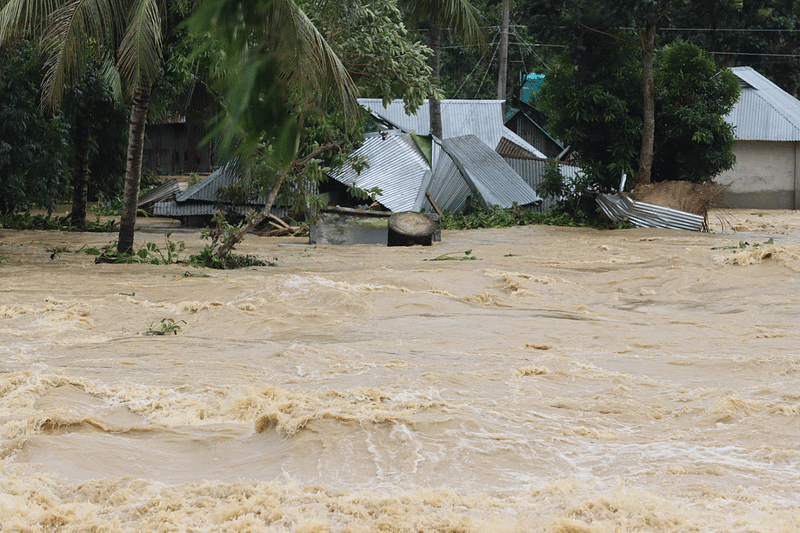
199, 202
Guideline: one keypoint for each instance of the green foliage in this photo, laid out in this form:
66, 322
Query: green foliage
89, 251
322, 130
107, 119
150, 253
598, 112
207, 259
573, 198
375, 48
476, 218
763, 35
167, 326
194, 179
593, 96
744, 244
694, 142
107, 207
26, 221
55, 251
220, 231
274, 68
34, 154
360, 194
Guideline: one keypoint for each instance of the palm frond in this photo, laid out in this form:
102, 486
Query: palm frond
72, 28
24, 17
109, 72
140, 51
458, 15
306, 61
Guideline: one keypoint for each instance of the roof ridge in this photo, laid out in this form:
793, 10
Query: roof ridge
762, 89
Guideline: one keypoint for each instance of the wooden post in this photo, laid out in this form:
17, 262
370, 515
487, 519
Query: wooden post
435, 207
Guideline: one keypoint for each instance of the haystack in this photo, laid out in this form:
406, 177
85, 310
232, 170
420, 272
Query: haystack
693, 198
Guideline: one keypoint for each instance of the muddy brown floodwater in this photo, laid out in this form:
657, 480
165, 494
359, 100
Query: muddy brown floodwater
564, 381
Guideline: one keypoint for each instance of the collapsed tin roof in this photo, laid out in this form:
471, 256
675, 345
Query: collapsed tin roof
488, 174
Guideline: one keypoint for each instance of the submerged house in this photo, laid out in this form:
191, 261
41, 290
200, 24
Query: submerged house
410, 166
766, 119
478, 156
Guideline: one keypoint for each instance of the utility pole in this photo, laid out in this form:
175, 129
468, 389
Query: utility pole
502, 76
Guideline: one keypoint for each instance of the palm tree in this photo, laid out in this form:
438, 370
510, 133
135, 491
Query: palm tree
457, 15
125, 32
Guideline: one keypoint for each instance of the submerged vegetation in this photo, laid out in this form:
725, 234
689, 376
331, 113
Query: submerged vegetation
164, 327
26, 221
475, 217
151, 253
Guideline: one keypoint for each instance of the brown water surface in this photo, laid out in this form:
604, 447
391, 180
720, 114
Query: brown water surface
566, 380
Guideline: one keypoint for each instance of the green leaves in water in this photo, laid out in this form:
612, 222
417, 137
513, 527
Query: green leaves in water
165, 327
744, 244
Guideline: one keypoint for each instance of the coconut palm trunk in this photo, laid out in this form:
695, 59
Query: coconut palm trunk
133, 168
80, 176
457, 15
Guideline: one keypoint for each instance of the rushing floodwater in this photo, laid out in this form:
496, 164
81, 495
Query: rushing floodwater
565, 381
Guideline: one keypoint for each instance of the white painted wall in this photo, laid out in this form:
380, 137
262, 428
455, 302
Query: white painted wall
765, 176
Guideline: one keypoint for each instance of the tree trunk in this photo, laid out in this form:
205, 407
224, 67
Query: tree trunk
234, 239
80, 176
409, 228
643, 176
133, 169
502, 76
435, 107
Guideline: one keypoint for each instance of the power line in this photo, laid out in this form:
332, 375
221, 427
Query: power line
726, 29
540, 45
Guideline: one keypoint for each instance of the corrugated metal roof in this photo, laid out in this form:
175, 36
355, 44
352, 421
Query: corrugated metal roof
482, 118
167, 190
448, 187
206, 189
396, 166
620, 208
532, 171
174, 209
487, 173
765, 112
506, 148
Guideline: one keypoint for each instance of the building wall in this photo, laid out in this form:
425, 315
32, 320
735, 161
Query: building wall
523, 127
765, 176
173, 148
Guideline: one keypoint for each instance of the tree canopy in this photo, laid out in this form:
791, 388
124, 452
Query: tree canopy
34, 153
